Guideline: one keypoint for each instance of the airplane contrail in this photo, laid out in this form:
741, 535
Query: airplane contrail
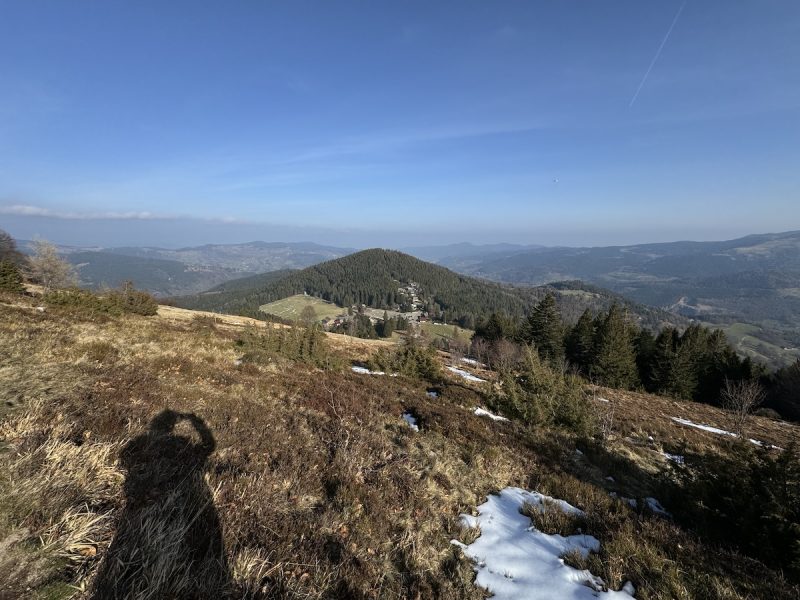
658, 53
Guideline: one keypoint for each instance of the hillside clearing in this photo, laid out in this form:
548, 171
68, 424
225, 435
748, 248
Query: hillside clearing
441, 330
291, 308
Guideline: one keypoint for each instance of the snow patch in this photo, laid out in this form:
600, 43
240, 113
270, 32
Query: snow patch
432, 394
764, 444
482, 412
472, 362
708, 428
411, 420
514, 560
719, 431
365, 371
465, 374
656, 507
676, 458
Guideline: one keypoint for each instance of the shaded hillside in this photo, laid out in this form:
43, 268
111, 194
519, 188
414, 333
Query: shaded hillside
158, 276
375, 278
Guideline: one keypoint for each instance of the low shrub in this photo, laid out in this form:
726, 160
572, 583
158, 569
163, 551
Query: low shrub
536, 394
410, 359
111, 303
131, 300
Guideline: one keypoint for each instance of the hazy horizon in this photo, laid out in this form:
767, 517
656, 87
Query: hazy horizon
172, 233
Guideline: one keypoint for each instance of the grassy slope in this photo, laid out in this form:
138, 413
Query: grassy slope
319, 487
439, 330
749, 340
291, 308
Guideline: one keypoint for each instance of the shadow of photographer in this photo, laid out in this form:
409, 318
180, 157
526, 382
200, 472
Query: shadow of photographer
169, 539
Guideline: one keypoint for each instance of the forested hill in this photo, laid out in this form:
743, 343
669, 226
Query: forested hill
375, 278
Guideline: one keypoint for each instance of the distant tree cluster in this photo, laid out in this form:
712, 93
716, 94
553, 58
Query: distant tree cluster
609, 349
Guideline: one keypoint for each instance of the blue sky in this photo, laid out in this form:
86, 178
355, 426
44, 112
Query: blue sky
391, 123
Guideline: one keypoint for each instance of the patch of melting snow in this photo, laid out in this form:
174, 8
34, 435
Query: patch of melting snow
482, 412
411, 420
656, 507
472, 362
514, 560
765, 444
719, 431
365, 371
708, 428
465, 374
432, 394
676, 458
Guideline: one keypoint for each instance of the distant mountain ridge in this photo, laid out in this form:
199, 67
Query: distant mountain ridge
752, 280
442, 254
252, 257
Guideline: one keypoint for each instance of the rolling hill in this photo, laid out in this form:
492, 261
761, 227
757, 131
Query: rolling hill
378, 278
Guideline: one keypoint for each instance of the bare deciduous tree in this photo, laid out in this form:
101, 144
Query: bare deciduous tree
503, 355
480, 349
49, 269
741, 398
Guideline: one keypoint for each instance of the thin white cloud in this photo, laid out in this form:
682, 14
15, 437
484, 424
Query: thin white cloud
28, 210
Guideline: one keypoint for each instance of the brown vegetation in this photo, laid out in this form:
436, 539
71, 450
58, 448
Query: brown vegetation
142, 457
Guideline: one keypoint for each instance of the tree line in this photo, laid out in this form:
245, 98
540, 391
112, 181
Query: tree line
609, 349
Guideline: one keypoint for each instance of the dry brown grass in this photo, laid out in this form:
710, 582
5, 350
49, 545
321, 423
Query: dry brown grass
318, 487
640, 416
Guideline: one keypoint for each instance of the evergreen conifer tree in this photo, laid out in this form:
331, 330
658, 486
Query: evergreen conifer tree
544, 329
580, 342
614, 362
10, 277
